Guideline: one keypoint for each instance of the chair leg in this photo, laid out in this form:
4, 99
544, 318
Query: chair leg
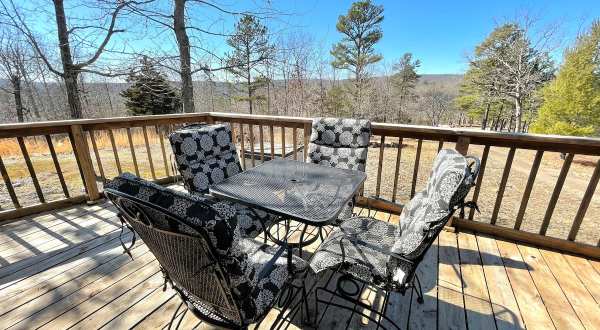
181, 318
418, 289
175, 315
386, 299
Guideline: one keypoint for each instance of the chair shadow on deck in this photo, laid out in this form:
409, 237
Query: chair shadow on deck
405, 310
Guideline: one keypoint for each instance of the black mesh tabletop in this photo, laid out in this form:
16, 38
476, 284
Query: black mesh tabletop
308, 193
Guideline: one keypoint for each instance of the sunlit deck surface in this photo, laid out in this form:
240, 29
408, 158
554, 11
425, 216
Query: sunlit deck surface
66, 268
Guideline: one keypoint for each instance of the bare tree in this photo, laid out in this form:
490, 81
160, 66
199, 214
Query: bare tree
12, 59
435, 103
65, 34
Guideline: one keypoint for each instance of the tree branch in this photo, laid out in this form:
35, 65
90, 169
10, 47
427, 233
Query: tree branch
111, 30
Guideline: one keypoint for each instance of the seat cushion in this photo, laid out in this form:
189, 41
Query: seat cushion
256, 295
252, 221
217, 218
366, 243
205, 155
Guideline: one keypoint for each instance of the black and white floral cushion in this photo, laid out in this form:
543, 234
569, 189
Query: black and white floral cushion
365, 247
243, 259
218, 218
340, 143
205, 155
357, 245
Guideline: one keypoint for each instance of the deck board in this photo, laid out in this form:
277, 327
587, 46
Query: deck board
469, 280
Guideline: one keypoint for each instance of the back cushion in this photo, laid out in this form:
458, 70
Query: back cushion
431, 208
340, 143
217, 218
205, 155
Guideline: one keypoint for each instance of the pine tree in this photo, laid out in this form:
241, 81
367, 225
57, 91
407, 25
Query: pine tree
251, 49
150, 93
509, 65
361, 28
405, 80
571, 102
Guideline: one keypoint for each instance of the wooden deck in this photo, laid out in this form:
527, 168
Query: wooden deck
66, 269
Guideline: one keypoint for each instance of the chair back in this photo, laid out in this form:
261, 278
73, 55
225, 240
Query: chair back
341, 143
205, 155
191, 250
426, 214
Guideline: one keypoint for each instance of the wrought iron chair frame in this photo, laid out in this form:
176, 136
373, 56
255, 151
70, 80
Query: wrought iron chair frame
412, 280
127, 216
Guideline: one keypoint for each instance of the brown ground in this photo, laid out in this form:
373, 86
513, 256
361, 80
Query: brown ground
566, 208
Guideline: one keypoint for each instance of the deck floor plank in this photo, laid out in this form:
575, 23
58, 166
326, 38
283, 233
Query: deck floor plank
582, 301
502, 298
469, 281
451, 313
138, 312
424, 316
52, 304
532, 307
587, 274
21, 270
37, 285
556, 302
477, 300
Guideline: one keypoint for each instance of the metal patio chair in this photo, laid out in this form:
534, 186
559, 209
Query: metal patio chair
222, 278
373, 252
340, 143
205, 155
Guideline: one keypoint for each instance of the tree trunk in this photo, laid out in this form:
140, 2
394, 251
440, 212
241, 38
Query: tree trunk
30, 91
185, 68
485, 117
70, 72
16, 84
249, 78
518, 113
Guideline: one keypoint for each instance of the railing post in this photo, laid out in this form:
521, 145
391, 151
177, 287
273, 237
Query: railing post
82, 155
462, 146
209, 119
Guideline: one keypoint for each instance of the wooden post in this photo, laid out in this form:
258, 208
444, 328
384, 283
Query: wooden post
82, 154
307, 133
462, 146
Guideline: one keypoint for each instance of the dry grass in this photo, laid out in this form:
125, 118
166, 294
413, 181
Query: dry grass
37, 145
560, 224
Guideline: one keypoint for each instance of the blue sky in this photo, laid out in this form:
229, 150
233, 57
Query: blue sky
441, 33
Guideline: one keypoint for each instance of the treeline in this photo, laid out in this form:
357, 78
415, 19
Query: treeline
92, 66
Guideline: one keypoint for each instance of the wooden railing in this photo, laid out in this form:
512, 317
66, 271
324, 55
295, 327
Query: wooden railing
399, 163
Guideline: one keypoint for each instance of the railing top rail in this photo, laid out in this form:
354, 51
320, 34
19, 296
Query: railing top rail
583, 145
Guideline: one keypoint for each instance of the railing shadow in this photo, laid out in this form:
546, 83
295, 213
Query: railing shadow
87, 241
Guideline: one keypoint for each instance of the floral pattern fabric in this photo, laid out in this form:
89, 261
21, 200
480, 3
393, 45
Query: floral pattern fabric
205, 155
366, 247
243, 259
340, 143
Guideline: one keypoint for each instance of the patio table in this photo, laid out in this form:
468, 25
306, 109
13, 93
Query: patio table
308, 193
305, 192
